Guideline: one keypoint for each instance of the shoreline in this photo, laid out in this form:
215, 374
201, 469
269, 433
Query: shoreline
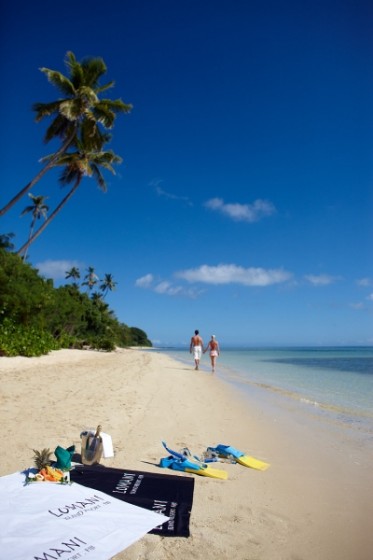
352, 419
313, 501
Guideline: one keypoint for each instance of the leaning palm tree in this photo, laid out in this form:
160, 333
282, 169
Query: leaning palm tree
38, 209
79, 110
107, 285
77, 165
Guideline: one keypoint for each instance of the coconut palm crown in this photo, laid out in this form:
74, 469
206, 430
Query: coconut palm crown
76, 166
80, 113
38, 209
81, 105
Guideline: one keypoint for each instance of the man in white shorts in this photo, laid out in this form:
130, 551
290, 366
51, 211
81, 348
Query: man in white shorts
196, 345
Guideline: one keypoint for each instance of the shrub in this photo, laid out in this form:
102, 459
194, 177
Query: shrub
19, 340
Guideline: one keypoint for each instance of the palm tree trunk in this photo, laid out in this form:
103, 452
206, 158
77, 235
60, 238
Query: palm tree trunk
37, 178
29, 237
54, 213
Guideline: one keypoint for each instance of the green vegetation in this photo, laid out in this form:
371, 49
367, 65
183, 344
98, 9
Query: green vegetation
36, 317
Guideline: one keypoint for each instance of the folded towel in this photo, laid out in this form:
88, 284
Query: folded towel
107, 446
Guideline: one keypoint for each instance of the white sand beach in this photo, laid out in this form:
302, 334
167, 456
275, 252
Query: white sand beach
314, 502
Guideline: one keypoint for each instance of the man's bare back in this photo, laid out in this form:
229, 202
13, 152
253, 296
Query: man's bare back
197, 340
196, 346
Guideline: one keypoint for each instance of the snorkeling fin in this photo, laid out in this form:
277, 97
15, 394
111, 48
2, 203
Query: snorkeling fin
208, 471
251, 462
239, 456
180, 462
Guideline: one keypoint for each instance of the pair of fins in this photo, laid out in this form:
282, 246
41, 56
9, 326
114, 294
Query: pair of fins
228, 452
185, 462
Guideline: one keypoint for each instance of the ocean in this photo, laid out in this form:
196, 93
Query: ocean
331, 384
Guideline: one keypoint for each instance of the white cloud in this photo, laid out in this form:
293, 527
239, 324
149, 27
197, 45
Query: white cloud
242, 212
144, 281
357, 306
165, 287
232, 274
165, 194
56, 269
364, 282
361, 305
320, 279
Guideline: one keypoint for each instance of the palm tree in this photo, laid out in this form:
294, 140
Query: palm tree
5, 241
76, 166
96, 298
73, 273
108, 284
91, 278
38, 209
79, 111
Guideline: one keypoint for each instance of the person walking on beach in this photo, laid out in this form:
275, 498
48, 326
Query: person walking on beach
196, 346
213, 345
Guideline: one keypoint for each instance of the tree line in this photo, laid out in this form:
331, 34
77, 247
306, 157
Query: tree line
36, 317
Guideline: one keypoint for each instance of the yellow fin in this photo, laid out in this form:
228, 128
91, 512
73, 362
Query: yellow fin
208, 471
252, 463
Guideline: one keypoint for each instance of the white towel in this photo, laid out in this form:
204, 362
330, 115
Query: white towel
107, 445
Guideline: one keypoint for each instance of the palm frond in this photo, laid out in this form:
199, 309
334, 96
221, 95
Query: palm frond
75, 69
45, 109
105, 160
109, 157
59, 127
70, 59
92, 138
47, 158
27, 210
95, 171
59, 81
103, 115
105, 87
70, 174
117, 105
64, 159
93, 69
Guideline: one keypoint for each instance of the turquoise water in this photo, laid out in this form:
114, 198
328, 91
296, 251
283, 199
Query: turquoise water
335, 384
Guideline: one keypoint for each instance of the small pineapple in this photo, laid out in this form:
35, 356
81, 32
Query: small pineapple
42, 459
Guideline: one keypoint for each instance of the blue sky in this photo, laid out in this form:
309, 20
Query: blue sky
243, 206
